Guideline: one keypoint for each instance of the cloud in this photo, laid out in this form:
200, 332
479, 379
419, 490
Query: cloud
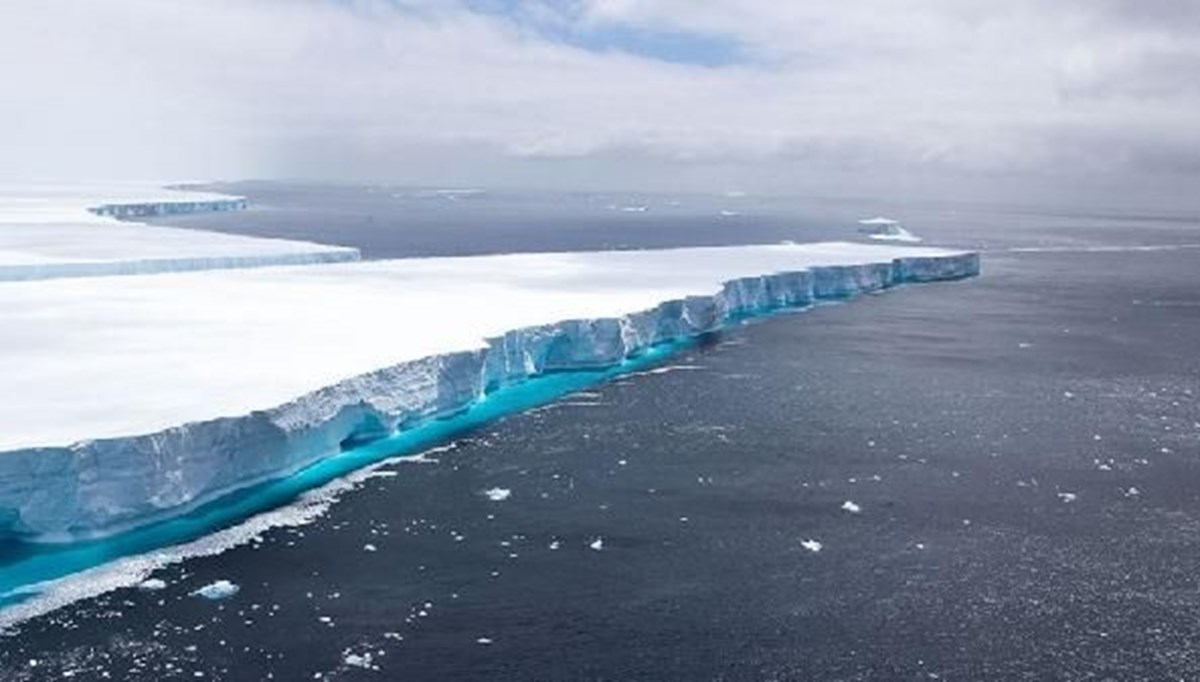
789, 95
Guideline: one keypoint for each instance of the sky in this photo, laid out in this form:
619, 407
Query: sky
1071, 100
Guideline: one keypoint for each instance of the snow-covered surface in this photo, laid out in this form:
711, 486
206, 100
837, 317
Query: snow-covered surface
122, 397
68, 231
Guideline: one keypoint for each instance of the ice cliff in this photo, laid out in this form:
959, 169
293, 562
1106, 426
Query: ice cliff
97, 487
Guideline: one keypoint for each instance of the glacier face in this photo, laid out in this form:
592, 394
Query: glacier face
96, 487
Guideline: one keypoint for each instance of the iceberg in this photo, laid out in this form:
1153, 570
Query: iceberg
215, 591
122, 404
55, 232
887, 230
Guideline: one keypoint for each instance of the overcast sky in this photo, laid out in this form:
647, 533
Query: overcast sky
1014, 97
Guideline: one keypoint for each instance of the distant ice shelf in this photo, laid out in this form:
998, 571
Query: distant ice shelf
50, 232
122, 403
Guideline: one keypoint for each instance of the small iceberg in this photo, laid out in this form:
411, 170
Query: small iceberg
498, 494
887, 230
221, 589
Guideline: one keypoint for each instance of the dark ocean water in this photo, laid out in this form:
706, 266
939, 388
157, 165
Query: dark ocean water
1022, 449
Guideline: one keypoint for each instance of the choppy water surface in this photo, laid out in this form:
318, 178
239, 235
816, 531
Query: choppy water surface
990, 479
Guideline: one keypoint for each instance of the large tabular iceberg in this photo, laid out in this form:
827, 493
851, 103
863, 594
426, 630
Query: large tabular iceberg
126, 399
73, 231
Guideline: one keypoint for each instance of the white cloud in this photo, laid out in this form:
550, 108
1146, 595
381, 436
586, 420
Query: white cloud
360, 89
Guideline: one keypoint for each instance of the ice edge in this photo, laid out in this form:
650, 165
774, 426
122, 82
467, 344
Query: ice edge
100, 487
128, 210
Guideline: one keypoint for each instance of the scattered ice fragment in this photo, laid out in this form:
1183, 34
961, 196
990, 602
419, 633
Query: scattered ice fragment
812, 545
554, 544
597, 544
483, 640
851, 507
1068, 497
920, 545
498, 494
370, 548
152, 585
1132, 492
221, 589
358, 660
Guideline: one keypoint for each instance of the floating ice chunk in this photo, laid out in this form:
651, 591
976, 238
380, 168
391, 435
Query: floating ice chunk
597, 544
484, 641
851, 507
498, 494
1068, 497
152, 585
362, 660
1132, 492
370, 548
812, 545
221, 589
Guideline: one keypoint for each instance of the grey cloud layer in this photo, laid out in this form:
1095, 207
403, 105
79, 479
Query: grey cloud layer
385, 90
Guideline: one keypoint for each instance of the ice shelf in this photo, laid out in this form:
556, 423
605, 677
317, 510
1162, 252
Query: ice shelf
121, 401
48, 232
